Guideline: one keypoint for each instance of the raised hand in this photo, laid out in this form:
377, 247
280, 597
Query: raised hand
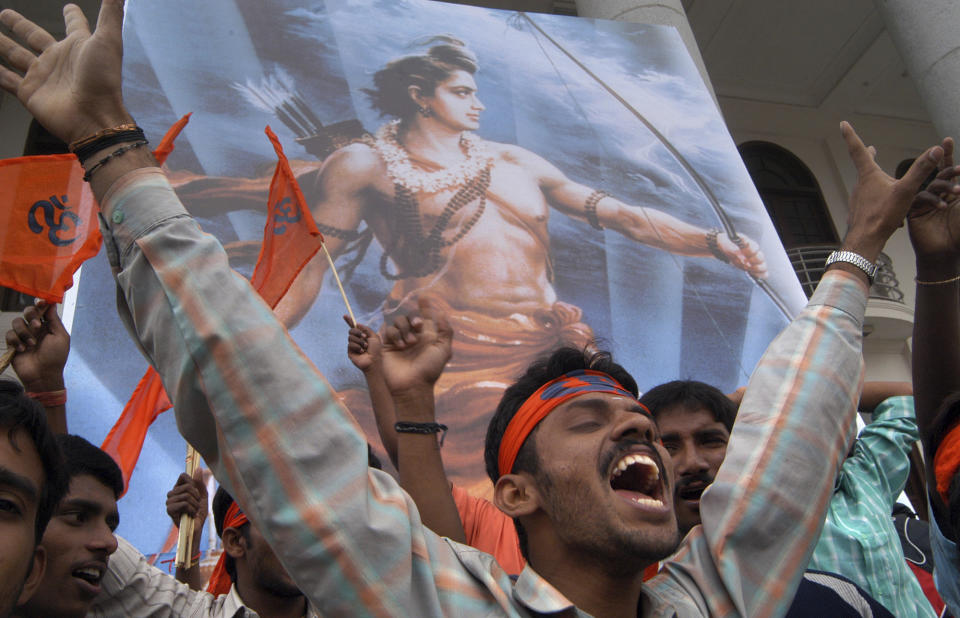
72, 87
934, 221
416, 349
745, 254
878, 203
42, 345
363, 346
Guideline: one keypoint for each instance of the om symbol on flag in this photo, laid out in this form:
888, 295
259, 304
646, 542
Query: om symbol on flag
65, 222
284, 214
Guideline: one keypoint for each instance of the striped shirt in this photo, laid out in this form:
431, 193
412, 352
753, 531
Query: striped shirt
134, 587
858, 538
273, 431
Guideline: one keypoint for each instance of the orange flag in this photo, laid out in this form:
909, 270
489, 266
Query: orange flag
290, 240
125, 440
165, 147
290, 237
48, 226
149, 400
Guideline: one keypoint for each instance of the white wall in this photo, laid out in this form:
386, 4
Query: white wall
813, 135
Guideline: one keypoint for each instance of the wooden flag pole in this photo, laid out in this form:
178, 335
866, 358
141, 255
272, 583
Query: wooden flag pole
184, 559
339, 285
7, 358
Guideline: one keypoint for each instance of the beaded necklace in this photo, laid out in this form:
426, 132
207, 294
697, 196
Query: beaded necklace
422, 251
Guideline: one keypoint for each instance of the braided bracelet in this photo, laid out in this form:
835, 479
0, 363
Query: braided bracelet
80, 143
116, 153
90, 148
421, 428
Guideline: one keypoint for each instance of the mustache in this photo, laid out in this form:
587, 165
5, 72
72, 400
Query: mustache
704, 478
625, 446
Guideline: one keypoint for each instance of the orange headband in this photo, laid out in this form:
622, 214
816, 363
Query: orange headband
220, 580
946, 461
541, 403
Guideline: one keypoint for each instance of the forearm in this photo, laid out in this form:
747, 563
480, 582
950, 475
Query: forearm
875, 393
882, 453
56, 412
421, 468
192, 576
763, 513
653, 227
936, 340
383, 412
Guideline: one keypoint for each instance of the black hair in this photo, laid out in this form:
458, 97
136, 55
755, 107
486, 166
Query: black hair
557, 363
691, 394
221, 503
20, 412
389, 94
82, 457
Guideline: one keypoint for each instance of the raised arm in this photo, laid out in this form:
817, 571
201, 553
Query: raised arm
364, 348
42, 345
415, 351
882, 450
934, 223
763, 513
264, 419
646, 225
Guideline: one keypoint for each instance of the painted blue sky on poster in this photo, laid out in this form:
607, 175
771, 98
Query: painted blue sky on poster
664, 316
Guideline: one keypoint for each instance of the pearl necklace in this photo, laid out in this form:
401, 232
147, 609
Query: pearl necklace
402, 171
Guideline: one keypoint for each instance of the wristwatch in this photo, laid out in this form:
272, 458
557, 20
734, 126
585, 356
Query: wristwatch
857, 260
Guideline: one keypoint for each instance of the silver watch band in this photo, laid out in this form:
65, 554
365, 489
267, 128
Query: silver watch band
868, 267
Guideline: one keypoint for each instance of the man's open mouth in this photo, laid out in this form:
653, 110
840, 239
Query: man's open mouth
90, 574
636, 476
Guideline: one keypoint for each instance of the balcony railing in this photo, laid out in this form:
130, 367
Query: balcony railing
808, 262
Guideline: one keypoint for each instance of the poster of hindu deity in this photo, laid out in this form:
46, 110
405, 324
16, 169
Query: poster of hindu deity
546, 180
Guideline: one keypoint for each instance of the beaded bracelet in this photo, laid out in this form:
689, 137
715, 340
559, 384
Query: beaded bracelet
714, 248
590, 208
421, 428
116, 153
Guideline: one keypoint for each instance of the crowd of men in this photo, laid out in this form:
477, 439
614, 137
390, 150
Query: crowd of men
681, 502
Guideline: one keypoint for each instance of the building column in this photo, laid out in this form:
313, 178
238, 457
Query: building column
925, 34
661, 12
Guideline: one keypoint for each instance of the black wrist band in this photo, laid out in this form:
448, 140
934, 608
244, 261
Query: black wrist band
422, 428
87, 150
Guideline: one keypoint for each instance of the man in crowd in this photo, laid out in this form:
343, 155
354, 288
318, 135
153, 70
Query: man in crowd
80, 579
294, 459
79, 539
858, 541
31, 484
